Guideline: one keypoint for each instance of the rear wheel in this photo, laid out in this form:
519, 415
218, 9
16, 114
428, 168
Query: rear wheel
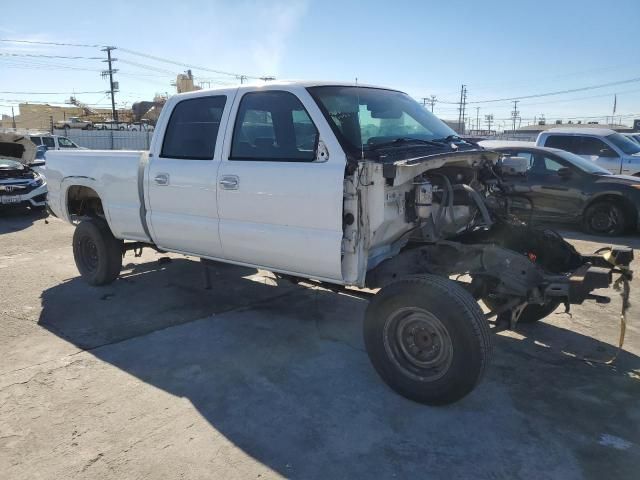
604, 218
428, 339
97, 253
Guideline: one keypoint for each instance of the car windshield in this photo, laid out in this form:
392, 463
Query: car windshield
364, 117
625, 144
582, 163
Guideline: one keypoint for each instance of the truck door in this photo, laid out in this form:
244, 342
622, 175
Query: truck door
279, 200
556, 188
598, 151
181, 179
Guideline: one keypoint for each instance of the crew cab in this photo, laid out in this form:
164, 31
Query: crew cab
607, 148
348, 186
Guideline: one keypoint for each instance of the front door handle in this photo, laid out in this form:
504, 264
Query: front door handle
162, 179
230, 182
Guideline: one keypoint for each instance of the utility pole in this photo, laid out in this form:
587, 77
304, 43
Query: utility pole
514, 114
13, 119
432, 102
113, 86
478, 118
489, 119
463, 104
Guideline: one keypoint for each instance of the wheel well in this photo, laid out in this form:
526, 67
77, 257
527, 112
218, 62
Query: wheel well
629, 209
84, 202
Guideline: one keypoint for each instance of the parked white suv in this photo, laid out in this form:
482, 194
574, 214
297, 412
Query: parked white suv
609, 149
54, 142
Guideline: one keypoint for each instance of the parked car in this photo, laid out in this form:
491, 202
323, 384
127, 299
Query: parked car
140, 127
54, 142
563, 187
20, 184
607, 148
110, 125
74, 122
340, 185
633, 136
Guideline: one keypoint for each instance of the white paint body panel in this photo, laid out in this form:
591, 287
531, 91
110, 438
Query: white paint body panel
285, 215
183, 214
112, 174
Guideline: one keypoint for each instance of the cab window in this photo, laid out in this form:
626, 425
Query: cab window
273, 126
49, 142
543, 165
595, 147
192, 130
36, 140
568, 143
64, 142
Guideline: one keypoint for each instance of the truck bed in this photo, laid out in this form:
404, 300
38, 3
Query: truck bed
113, 174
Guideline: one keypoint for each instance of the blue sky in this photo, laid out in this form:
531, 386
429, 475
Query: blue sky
499, 49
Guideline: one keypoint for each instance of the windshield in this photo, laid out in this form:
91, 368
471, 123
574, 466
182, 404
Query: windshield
582, 163
623, 143
364, 117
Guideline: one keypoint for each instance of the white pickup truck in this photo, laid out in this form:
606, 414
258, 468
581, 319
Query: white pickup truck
348, 186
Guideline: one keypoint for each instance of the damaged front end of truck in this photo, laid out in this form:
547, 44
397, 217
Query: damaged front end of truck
454, 208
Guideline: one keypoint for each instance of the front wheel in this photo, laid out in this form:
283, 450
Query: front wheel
428, 339
604, 218
97, 253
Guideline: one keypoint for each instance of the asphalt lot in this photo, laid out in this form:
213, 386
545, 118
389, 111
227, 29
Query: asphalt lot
155, 377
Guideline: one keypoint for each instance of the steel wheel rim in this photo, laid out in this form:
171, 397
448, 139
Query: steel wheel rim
418, 343
89, 254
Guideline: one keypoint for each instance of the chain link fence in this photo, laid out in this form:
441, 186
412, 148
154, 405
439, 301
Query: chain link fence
108, 139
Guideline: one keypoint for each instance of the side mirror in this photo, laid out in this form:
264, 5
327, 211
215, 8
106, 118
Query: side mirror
607, 153
565, 172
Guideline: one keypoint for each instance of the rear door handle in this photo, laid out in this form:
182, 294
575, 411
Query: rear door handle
162, 179
230, 182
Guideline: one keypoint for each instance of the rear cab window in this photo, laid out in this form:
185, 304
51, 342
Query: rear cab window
193, 127
49, 142
568, 143
36, 140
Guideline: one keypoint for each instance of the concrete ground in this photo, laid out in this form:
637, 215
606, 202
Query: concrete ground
155, 377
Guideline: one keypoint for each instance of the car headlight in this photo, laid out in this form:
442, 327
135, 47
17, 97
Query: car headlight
37, 181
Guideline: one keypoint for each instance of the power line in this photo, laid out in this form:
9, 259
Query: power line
187, 65
5, 54
50, 43
50, 93
560, 92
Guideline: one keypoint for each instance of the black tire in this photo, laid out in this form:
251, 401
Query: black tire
605, 218
97, 253
431, 362
531, 313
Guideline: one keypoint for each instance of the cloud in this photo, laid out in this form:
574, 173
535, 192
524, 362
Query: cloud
278, 21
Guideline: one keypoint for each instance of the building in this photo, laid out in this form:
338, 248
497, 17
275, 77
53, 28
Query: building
39, 116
